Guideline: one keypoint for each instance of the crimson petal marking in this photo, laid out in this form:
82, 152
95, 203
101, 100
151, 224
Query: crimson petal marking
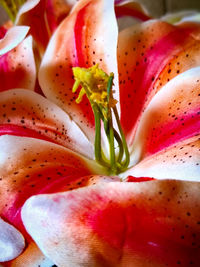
80, 40
144, 51
146, 224
181, 162
32, 14
129, 13
192, 27
26, 113
31, 257
172, 115
56, 11
11, 242
17, 67
12, 38
28, 166
132, 9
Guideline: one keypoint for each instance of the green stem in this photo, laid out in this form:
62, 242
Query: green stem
127, 156
120, 144
112, 147
99, 155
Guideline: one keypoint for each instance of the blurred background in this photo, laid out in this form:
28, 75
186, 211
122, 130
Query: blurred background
156, 7
160, 7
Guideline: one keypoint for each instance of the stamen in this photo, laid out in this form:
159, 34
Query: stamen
97, 86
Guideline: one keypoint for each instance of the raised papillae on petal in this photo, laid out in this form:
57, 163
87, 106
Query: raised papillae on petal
80, 40
17, 63
25, 113
29, 166
156, 223
149, 55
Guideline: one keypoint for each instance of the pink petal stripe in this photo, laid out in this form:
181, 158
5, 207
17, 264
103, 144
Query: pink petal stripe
143, 53
172, 115
17, 67
132, 9
28, 166
26, 113
85, 49
145, 224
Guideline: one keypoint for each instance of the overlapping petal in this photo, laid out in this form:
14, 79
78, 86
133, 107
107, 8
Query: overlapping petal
17, 63
180, 161
102, 222
79, 42
28, 166
155, 223
31, 257
43, 17
56, 11
149, 55
179, 120
11, 242
14, 36
32, 14
129, 13
25, 113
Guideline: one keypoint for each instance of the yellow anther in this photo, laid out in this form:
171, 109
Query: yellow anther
94, 82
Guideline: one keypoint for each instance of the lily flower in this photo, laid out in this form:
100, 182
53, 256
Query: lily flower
104, 170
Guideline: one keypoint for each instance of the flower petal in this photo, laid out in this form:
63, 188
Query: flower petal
80, 40
11, 242
181, 161
32, 14
17, 66
12, 38
148, 224
129, 12
31, 257
26, 113
56, 11
28, 166
179, 120
4, 28
149, 55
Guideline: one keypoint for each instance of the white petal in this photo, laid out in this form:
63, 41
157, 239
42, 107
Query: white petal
11, 242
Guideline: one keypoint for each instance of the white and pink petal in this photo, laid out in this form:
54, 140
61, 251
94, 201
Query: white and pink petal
25, 113
155, 223
17, 63
31, 257
149, 55
29, 166
80, 41
12, 242
180, 161
172, 115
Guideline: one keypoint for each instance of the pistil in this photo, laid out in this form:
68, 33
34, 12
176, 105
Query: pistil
97, 86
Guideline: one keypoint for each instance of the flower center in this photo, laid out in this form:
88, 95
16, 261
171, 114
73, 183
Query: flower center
12, 7
97, 86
